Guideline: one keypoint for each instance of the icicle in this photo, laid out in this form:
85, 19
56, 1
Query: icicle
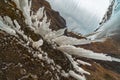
26, 11
76, 76
75, 65
43, 29
64, 40
25, 7
83, 62
86, 53
39, 13
17, 25
8, 20
54, 34
7, 28
17, 29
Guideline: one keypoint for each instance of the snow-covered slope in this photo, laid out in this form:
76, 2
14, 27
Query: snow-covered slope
112, 26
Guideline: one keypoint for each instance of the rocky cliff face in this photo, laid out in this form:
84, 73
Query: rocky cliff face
21, 59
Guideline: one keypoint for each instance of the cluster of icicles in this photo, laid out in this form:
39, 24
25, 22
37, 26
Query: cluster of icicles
56, 38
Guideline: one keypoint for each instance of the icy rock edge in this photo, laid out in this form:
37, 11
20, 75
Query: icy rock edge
56, 38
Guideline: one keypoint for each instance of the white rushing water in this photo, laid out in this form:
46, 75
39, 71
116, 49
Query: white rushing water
82, 16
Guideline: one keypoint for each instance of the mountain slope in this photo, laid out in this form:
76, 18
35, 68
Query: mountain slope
29, 54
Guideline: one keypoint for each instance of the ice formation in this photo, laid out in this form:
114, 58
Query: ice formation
57, 38
64, 40
85, 53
